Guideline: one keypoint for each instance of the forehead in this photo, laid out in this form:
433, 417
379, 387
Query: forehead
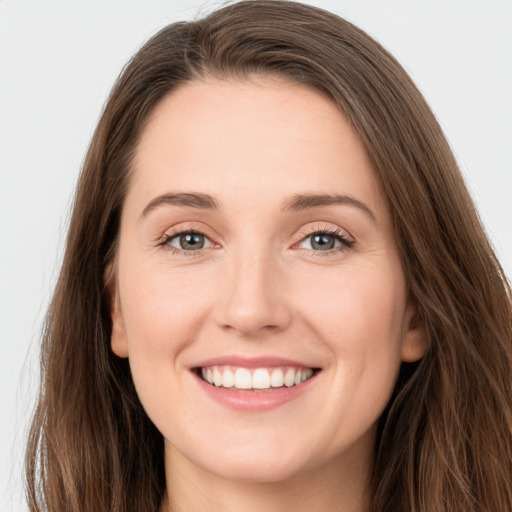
266, 135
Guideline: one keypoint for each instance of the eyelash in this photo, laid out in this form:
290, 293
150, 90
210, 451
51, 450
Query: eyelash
338, 234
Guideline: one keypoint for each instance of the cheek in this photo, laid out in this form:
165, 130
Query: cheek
161, 311
358, 314
162, 316
355, 308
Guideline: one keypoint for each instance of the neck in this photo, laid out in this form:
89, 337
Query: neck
340, 486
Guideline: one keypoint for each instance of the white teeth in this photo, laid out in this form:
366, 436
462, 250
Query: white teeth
217, 377
243, 379
228, 378
289, 378
277, 378
260, 378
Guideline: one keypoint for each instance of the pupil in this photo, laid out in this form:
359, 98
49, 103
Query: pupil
323, 242
192, 241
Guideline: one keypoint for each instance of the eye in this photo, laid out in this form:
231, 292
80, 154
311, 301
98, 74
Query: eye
187, 241
325, 241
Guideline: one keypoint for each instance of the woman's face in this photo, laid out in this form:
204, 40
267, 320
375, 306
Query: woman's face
257, 252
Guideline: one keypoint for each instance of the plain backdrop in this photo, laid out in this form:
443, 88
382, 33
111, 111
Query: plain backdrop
58, 60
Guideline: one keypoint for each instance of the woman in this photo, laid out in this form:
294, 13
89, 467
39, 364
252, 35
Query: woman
276, 291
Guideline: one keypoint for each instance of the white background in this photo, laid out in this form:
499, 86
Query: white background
58, 60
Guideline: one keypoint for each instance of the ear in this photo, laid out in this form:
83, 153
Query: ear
415, 340
118, 342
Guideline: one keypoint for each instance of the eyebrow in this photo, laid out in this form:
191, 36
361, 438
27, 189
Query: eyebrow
296, 203
188, 199
307, 201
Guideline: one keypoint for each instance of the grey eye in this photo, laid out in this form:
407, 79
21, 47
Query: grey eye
190, 242
321, 242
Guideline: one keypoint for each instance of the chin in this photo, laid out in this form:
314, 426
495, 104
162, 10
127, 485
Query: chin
259, 470
249, 462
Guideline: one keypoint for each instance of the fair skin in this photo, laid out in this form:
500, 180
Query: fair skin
240, 276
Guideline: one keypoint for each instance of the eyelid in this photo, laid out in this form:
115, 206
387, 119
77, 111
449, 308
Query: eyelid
315, 228
180, 228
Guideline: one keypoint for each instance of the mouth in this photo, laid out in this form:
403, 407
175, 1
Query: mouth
264, 379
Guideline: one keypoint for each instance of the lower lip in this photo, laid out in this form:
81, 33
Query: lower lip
249, 400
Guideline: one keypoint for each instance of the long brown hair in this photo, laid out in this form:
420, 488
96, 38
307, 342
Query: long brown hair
445, 440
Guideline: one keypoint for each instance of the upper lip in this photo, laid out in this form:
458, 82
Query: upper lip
251, 362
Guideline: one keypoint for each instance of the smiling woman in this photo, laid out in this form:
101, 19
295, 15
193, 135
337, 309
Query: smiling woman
299, 292
276, 293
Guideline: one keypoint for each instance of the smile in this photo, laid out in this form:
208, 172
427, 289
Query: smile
254, 378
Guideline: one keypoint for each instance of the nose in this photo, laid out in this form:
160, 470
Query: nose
253, 300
